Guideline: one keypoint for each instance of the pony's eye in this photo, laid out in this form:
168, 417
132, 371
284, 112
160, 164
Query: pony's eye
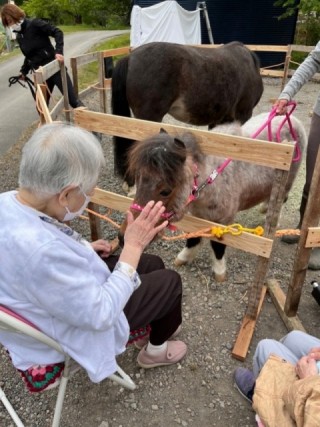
165, 193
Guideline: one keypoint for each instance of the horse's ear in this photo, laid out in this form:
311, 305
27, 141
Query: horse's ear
163, 130
179, 143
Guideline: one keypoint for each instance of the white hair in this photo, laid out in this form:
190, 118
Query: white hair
58, 155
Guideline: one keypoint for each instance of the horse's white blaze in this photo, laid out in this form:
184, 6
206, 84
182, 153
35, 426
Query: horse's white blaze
186, 256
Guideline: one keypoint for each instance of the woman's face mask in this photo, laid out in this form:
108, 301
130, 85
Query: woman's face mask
17, 26
71, 215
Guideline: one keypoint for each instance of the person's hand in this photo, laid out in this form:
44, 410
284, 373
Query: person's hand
59, 57
306, 367
281, 106
102, 247
314, 353
142, 230
22, 77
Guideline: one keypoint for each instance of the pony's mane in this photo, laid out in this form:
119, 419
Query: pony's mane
163, 153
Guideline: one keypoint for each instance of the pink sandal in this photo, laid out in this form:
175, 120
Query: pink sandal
176, 350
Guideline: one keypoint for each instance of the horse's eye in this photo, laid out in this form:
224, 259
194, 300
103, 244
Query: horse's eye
165, 193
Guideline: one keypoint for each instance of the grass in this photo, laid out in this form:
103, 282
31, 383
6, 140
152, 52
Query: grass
88, 74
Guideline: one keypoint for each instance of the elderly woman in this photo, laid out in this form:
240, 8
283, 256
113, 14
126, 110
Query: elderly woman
53, 277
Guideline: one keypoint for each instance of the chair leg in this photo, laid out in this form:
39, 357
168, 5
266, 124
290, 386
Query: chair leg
123, 379
61, 393
10, 409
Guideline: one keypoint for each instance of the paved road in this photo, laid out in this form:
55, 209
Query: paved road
17, 109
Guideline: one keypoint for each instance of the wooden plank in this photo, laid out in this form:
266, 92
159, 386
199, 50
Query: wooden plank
247, 328
102, 94
259, 48
42, 105
247, 242
271, 73
74, 70
107, 83
95, 223
274, 206
65, 92
310, 218
86, 58
278, 297
117, 51
238, 148
267, 48
313, 237
50, 69
299, 48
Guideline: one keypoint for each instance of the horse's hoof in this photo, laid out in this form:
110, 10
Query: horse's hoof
263, 207
220, 277
179, 262
132, 191
125, 186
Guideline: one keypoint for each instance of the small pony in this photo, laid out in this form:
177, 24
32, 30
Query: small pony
165, 168
197, 85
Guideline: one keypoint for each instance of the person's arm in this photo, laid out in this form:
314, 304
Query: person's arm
302, 75
24, 70
51, 31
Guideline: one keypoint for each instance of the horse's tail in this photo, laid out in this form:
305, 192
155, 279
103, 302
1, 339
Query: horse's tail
120, 107
256, 60
119, 102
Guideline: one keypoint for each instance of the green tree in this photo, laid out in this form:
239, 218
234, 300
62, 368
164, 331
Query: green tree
77, 11
308, 28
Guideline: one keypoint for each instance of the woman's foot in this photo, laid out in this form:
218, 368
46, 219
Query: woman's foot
244, 381
173, 353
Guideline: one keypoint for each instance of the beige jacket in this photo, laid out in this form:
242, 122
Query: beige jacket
282, 400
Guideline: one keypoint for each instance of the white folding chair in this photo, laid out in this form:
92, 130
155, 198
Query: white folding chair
10, 321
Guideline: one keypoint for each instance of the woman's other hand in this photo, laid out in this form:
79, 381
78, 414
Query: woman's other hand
306, 367
59, 57
102, 247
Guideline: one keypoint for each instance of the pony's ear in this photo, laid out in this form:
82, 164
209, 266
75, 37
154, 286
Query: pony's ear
163, 130
179, 143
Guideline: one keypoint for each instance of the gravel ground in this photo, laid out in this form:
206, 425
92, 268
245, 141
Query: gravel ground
200, 390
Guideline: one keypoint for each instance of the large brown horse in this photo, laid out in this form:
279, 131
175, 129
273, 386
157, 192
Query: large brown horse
165, 168
196, 85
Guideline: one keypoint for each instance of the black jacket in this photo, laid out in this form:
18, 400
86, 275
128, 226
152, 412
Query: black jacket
35, 43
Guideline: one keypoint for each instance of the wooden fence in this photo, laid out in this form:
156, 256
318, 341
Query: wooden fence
277, 156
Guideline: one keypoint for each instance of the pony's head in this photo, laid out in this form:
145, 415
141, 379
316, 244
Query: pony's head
164, 168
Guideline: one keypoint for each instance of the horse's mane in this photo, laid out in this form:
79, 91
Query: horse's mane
164, 154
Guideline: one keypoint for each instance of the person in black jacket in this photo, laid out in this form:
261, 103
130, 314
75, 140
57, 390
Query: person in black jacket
34, 42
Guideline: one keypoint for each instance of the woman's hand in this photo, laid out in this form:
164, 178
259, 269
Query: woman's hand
102, 247
59, 57
281, 106
141, 231
306, 367
314, 353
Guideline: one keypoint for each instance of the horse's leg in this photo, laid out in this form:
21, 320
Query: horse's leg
218, 261
189, 253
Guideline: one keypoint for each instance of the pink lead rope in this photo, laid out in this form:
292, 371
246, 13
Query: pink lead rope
287, 118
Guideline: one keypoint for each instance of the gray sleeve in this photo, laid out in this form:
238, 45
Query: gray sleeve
303, 74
